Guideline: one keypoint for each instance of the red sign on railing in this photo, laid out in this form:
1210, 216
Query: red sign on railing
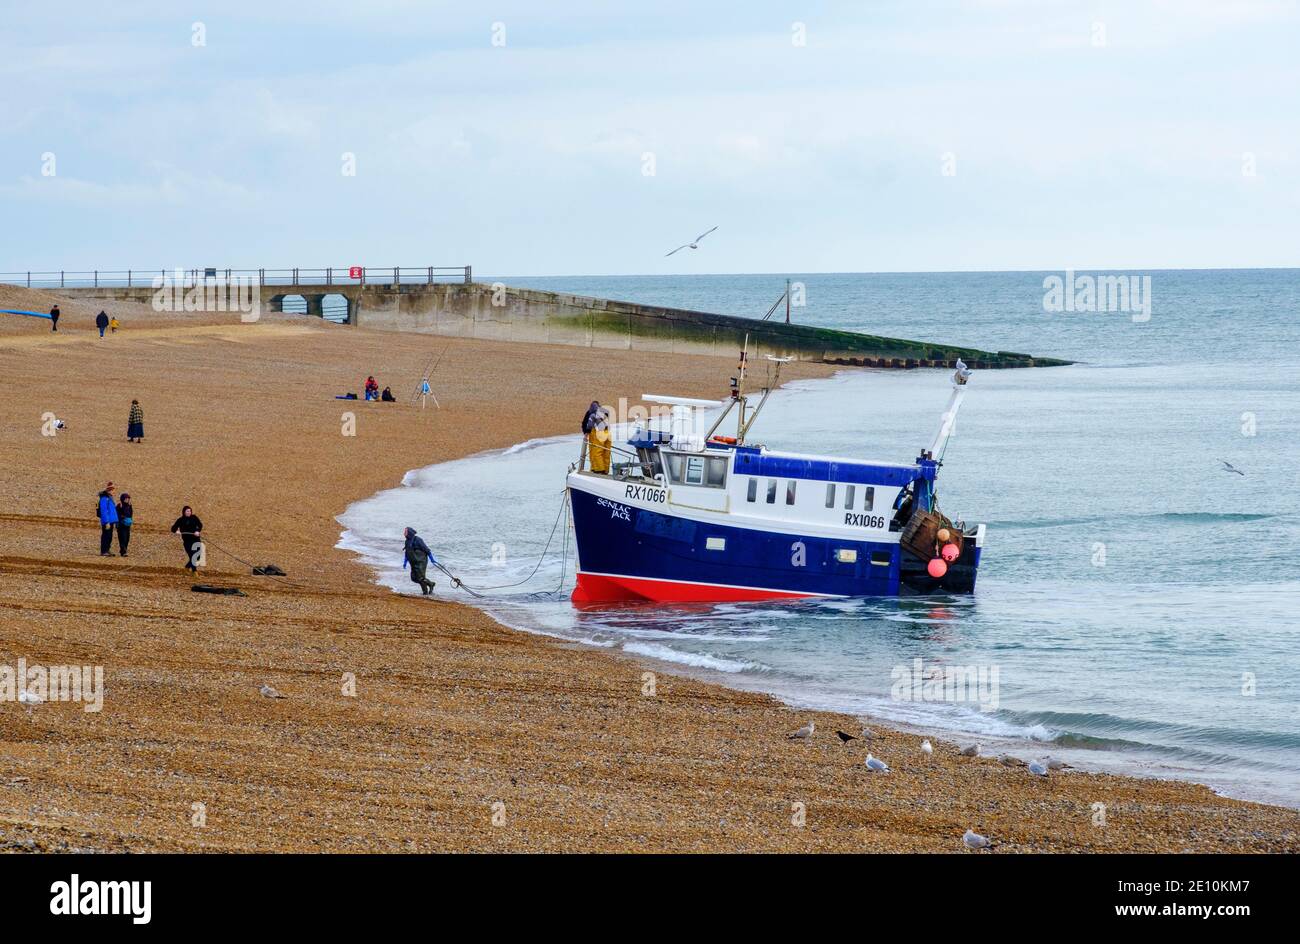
354, 272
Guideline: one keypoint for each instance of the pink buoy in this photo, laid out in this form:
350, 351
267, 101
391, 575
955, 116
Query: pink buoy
950, 552
937, 568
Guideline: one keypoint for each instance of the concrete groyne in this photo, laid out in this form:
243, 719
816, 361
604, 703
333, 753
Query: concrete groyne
498, 312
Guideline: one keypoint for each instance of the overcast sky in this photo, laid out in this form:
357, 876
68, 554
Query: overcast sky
519, 136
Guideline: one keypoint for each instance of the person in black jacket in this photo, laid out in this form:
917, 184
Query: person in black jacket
418, 555
593, 415
54, 318
101, 322
125, 514
190, 528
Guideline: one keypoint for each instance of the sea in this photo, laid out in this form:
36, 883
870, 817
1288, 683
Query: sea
1138, 602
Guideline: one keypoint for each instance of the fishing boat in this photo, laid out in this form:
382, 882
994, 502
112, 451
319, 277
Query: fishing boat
703, 517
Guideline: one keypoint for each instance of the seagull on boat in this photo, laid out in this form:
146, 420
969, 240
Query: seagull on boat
1229, 467
1038, 768
926, 748
269, 692
876, 765
974, 840
693, 244
803, 733
972, 751
845, 737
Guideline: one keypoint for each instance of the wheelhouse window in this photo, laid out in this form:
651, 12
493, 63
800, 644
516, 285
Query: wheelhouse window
694, 470
870, 502
709, 471
830, 494
848, 497
771, 491
789, 491
752, 494
715, 472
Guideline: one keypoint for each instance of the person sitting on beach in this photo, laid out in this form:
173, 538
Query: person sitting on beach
190, 528
135, 423
101, 322
107, 513
418, 555
387, 396
372, 389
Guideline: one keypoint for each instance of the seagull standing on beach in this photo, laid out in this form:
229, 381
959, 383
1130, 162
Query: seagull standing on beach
926, 748
974, 840
1229, 467
971, 751
269, 692
693, 244
1038, 768
29, 698
1054, 764
876, 765
803, 733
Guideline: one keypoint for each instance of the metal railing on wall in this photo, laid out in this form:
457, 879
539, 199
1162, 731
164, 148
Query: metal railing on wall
332, 275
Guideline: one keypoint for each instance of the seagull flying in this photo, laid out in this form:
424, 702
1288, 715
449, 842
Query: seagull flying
1038, 768
926, 748
876, 765
803, 733
845, 738
974, 840
693, 244
1229, 467
269, 692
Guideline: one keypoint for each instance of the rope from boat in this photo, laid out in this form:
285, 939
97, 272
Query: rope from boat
480, 591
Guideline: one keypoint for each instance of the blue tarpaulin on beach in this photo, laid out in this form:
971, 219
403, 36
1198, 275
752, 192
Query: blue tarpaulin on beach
14, 311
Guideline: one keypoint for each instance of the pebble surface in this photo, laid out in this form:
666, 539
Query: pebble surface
462, 735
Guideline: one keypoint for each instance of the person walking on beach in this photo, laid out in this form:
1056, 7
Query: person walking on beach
418, 555
190, 528
125, 515
135, 423
113, 325
54, 318
107, 513
101, 322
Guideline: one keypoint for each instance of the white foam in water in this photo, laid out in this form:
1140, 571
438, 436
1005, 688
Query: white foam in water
1130, 655
698, 660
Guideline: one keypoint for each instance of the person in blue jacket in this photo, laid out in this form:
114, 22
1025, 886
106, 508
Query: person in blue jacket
101, 322
107, 520
418, 555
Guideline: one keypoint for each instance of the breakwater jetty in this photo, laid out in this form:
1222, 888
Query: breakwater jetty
447, 301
